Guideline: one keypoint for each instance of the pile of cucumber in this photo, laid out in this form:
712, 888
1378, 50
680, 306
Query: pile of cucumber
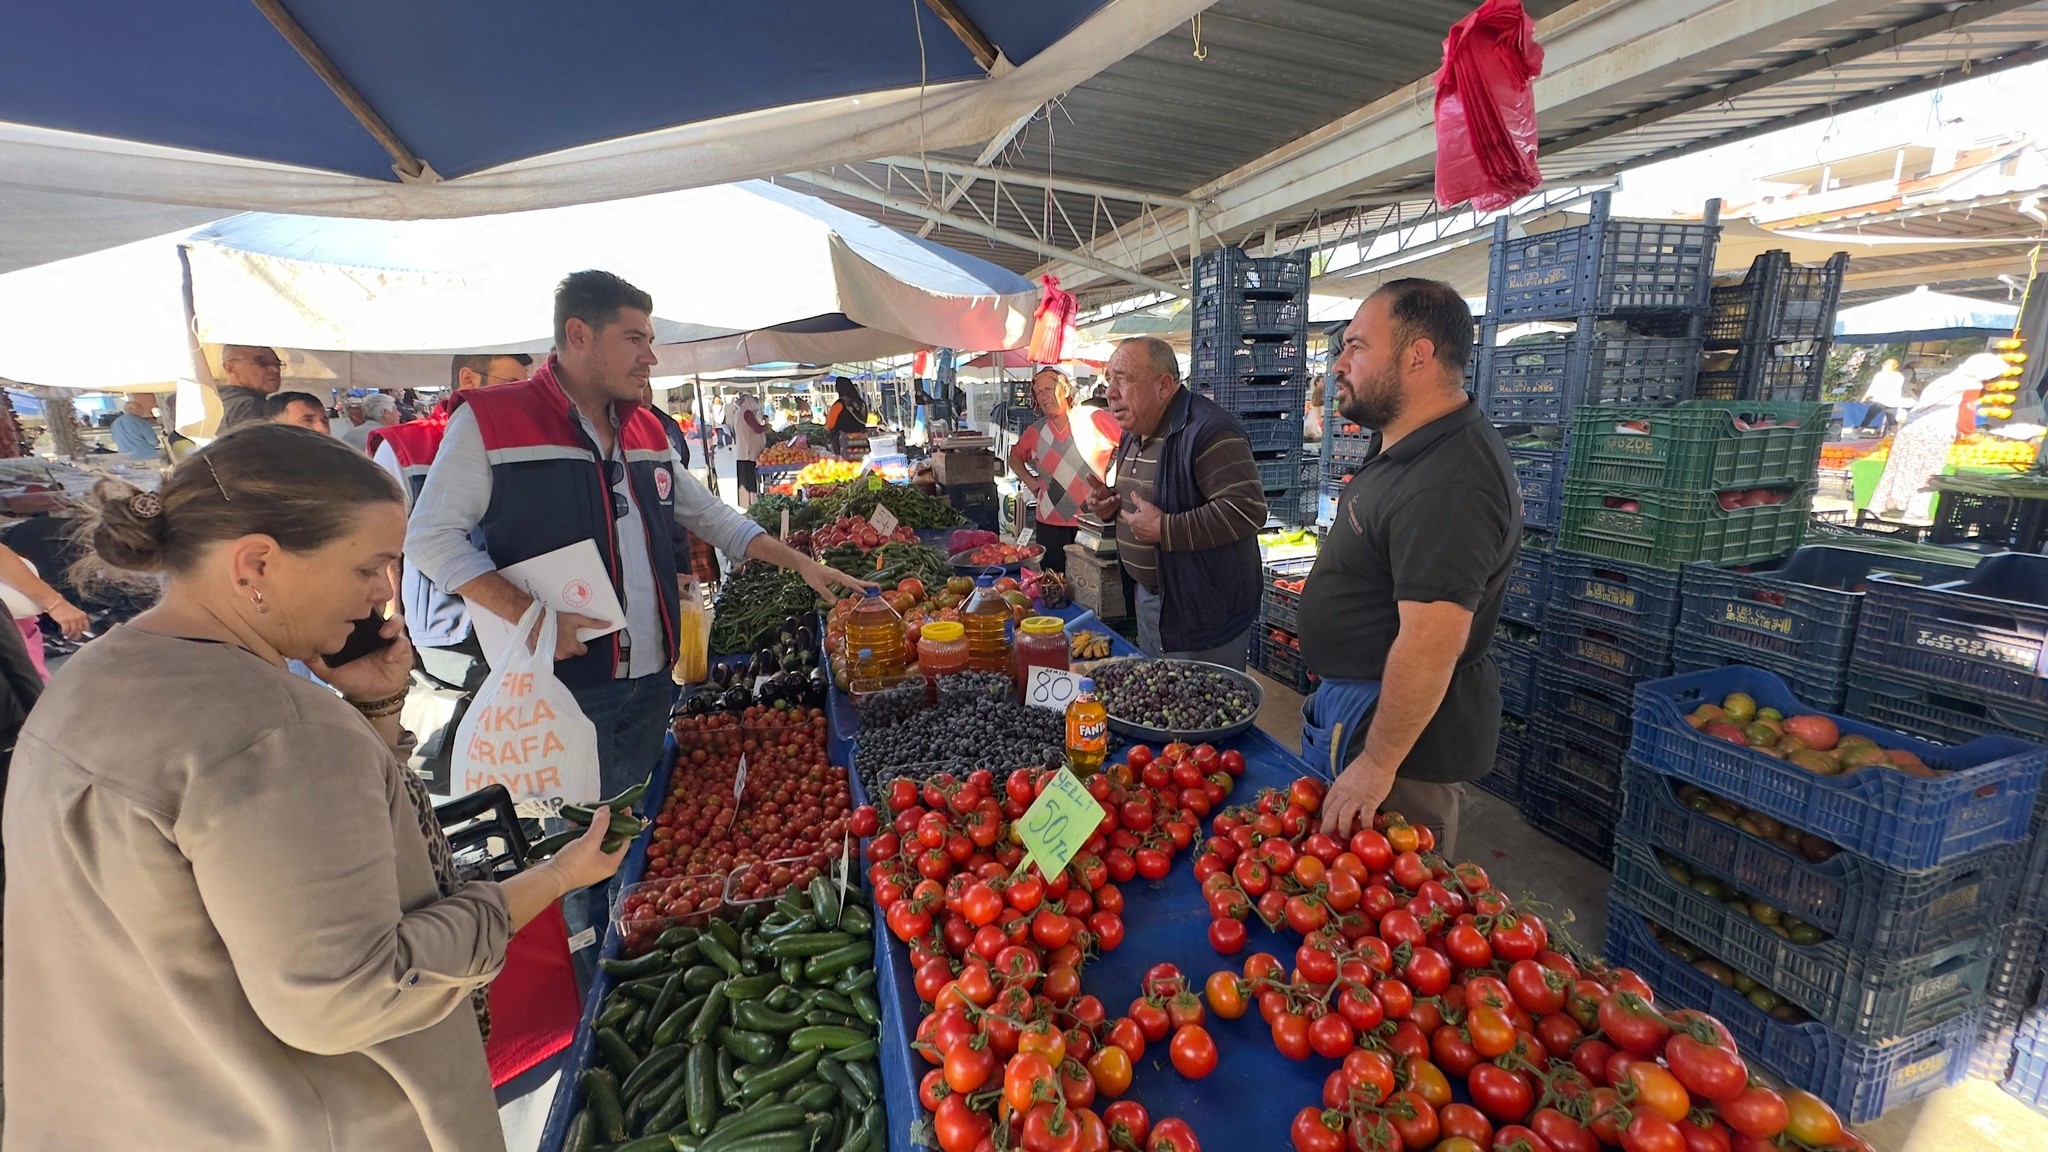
750, 1035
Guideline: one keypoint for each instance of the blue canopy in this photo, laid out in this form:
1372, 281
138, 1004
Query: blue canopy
1923, 315
435, 108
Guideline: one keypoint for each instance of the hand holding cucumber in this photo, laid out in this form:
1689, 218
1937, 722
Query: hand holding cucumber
584, 861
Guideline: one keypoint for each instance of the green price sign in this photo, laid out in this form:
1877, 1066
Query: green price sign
1061, 820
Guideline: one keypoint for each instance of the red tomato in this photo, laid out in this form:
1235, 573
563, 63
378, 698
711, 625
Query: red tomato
1150, 1017
960, 1128
1049, 1130
1561, 1132
1128, 1123
1559, 1034
1331, 1035
1632, 1023
1466, 1121
1427, 972
1357, 1004
1757, 1112
1414, 1119
1396, 999
1290, 1035
1227, 936
968, 1067
1372, 849
1233, 762
1710, 1070
1311, 1134
1467, 947
1650, 1132
1173, 1135
1505, 1096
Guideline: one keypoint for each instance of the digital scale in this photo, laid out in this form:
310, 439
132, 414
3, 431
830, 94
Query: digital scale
1097, 536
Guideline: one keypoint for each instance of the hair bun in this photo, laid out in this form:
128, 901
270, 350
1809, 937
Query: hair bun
125, 526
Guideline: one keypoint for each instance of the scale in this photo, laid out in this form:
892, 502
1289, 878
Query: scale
963, 459
1097, 536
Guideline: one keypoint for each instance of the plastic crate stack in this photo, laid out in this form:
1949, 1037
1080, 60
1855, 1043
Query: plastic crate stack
1250, 354
1948, 658
1276, 647
1345, 445
1517, 647
1846, 928
1767, 337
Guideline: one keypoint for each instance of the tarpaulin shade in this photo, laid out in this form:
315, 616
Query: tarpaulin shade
1922, 315
740, 274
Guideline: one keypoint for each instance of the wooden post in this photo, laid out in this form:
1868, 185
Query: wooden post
707, 437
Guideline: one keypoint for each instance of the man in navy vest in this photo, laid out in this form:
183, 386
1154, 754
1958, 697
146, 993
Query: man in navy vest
572, 455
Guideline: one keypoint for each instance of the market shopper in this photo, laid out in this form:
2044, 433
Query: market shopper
252, 373
298, 408
570, 455
1408, 586
847, 420
749, 439
134, 430
235, 922
1919, 451
1063, 459
1188, 507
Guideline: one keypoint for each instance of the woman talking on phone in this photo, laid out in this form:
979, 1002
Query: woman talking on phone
233, 921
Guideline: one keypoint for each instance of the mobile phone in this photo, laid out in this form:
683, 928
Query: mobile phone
365, 638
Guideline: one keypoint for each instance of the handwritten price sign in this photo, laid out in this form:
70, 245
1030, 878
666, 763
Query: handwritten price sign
1052, 689
884, 520
1061, 820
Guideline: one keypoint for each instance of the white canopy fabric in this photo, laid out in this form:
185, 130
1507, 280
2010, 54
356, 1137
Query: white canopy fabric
740, 274
1923, 314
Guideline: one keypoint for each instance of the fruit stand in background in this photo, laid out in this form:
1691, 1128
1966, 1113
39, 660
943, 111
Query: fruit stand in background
1976, 454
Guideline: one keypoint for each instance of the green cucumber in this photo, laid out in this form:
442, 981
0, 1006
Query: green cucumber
821, 969
657, 1065
708, 1016
779, 1077
601, 1091
702, 1077
618, 1054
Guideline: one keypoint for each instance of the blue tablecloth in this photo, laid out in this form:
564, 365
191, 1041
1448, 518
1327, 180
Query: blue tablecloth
1254, 1091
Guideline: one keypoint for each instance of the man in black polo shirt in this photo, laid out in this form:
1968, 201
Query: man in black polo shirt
1408, 585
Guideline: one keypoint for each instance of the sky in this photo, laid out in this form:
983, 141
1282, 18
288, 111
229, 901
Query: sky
1998, 104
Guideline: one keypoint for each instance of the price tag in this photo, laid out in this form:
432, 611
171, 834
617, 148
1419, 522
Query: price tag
1061, 820
739, 782
883, 520
875, 484
1052, 689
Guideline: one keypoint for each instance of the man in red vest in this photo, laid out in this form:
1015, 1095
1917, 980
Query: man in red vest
571, 455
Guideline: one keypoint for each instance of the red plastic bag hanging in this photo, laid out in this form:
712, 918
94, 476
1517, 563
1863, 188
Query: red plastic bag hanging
1055, 323
1486, 109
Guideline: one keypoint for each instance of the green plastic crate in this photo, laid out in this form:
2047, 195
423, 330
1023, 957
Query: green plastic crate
1673, 527
1696, 445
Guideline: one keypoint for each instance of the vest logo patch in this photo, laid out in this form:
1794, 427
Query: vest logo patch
664, 484
577, 594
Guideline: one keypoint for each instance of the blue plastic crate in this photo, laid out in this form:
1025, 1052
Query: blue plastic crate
1280, 433
1282, 662
1793, 371
1986, 632
1540, 474
1820, 688
1641, 601
1599, 650
2015, 992
1350, 447
1603, 266
1262, 395
1860, 1081
1231, 314
2029, 1079
1517, 675
1528, 588
1862, 996
1547, 381
1863, 904
1215, 358
1593, 714
1233, 269
1584, 768
1778, 300
1505, 781
1983, 795
1935, 710
1279, 471
1558, 812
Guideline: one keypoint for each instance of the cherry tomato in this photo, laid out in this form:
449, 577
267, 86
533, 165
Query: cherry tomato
1561, 1132
1225, 994
1151, 1019
1632, 1023
1660, 1091
958, 1127
1173, 1135
1428, 973
1331, 1035
1227, 936
1311, 1134
1290, 1035
1193, 1051
968, 1067
1710, 1070
1505, 1096
1128, 1123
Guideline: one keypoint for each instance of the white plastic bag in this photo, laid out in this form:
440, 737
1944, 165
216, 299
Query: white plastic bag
525, 730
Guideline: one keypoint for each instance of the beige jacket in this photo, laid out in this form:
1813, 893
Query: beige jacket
223, 930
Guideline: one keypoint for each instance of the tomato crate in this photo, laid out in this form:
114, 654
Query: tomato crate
1540, 474
1669, 528
1825, 690
1547, 381
1594, 715
1778, 300
1528, 588
1277, 602
1562, 814
1699, 446
1788, 371
1935, 710
1982, 795
1796, 617
1861, 903
1280, 433
1232, 269
1859, 1080
1505, 781
1640, 600
1604, 266
1861, 995
1986, 633
1517, 663
1600, 651
1282, 662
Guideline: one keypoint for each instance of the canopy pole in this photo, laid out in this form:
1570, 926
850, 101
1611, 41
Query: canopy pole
967, 30
706, 437
404, 162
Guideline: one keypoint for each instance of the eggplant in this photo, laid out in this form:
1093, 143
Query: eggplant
737, 700
806, 639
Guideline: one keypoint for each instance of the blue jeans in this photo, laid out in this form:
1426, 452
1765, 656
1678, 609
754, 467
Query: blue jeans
630, 716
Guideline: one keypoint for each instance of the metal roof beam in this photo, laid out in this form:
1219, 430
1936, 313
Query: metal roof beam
975, 228
989, 152
1596, 52
981, 171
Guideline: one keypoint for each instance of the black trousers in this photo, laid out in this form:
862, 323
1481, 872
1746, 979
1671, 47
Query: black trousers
1054, 538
